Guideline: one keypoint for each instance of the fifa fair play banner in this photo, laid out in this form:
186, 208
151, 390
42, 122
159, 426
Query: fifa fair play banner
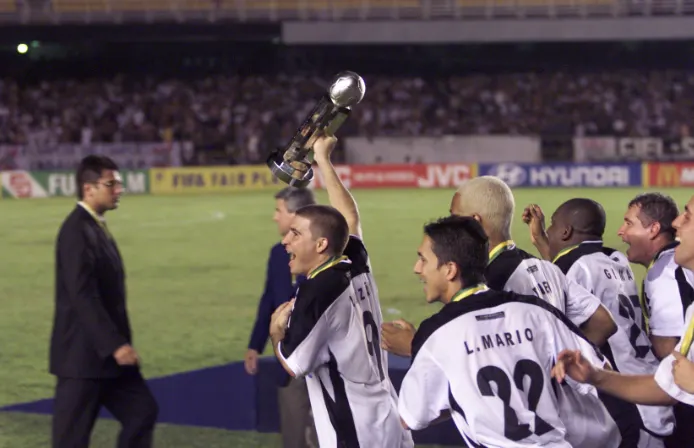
566, 174
41, 184
432, 175
679, 174
212, 179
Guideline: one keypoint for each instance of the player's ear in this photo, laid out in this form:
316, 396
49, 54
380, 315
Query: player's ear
654, 230
567, 232
321, 245
452, 271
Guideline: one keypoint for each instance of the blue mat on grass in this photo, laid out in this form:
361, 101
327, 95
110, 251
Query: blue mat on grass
227, 397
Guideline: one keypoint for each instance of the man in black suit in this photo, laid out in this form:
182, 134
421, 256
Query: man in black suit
91, 350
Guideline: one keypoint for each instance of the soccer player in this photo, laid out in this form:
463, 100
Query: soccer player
485, 358
648, 231
296, 422
331, 333
663, 388
667, 288
573, 241
490, 201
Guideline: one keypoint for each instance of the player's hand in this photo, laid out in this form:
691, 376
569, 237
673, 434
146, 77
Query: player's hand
125, 355
573, 364
250, 362
323, 147
397, 336
683, 372
280, 318
535, 219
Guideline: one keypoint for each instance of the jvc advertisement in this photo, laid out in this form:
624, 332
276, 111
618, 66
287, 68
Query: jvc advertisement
565, 174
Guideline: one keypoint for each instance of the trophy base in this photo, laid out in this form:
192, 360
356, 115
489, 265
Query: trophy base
284, 172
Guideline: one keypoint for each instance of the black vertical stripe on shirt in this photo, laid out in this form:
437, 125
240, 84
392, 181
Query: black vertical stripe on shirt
685, 288
339, 410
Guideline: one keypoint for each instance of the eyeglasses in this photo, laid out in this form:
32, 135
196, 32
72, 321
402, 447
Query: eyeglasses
111, 183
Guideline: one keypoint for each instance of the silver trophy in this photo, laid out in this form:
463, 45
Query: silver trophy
292, 164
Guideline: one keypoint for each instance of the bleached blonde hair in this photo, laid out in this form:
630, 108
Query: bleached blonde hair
491, 199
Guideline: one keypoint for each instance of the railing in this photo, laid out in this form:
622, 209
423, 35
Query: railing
108, 11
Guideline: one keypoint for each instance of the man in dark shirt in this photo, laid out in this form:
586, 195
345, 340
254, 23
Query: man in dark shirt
295, 409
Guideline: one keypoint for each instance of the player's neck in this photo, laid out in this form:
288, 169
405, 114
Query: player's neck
320, 261
457, 291
655, 247
571, 242
497, 238
451, 291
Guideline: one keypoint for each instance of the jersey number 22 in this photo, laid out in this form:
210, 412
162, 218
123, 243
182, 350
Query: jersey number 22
514, 429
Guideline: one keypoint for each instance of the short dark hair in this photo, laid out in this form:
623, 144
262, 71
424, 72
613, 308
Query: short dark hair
294, 198
460, 240
586, 216
657, 207
327, 222
90, 169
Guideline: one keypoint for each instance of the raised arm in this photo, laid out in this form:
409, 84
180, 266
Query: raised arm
339, 196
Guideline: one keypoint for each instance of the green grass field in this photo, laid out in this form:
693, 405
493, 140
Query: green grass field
195, 267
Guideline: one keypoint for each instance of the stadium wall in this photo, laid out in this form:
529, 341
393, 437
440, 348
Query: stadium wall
20, 184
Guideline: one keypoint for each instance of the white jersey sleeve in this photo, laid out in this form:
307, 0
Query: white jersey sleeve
567, 337
663, 375
664, 297
424, 392
581, 304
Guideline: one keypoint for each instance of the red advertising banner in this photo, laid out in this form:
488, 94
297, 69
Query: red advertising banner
670, 175
434, 175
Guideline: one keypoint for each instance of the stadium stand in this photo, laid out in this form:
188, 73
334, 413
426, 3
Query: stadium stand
8, 6
130, 5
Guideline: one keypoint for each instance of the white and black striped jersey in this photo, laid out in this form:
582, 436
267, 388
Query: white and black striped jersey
606, 273
333, 339
513, 269
495, 379
666, 294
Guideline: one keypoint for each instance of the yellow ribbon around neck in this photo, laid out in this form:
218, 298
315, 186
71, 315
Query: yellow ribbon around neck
328, 264
467, 292
564, 251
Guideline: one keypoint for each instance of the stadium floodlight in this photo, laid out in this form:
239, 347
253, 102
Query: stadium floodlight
22, 48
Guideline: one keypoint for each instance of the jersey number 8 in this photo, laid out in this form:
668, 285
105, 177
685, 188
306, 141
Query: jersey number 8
373, 342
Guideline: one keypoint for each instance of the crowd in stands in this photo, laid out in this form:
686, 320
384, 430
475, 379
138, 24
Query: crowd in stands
251, 115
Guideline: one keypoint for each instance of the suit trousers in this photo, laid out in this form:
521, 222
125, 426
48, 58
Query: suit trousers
128, 398
296, 420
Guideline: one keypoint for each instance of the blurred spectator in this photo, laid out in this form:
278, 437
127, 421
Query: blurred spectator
247, 116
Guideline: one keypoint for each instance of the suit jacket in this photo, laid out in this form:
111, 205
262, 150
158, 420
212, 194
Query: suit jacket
279, 289
90, 320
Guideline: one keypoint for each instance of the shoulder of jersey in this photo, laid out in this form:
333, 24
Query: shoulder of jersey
337, 278
478, 302
664, 266
567, 261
